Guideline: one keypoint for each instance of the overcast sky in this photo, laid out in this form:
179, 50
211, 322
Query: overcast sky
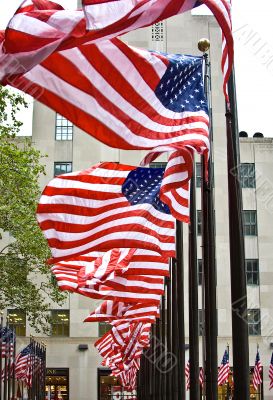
253, 33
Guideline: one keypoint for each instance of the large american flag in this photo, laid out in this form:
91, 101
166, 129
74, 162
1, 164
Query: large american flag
270, 373
23, 365
257, 372
125, 97
105, 207
41, 27
224, 369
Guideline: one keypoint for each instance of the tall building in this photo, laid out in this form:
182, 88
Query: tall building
74, 370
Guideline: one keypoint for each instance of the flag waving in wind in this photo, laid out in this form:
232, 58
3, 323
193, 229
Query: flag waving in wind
224, 369
125, 97
41, 27
271, 373
257, 378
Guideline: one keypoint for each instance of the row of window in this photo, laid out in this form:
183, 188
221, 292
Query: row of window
249, 222
252, 272
253, 319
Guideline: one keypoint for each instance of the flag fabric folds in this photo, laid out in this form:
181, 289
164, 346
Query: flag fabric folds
23, 365
270, 373
125, 97
87, 211
257, 372
40, 28
223, 371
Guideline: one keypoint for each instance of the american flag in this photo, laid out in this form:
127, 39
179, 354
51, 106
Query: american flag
257, 372
142, 282
187, 374
224, 369
270, 373
104, 207
226, 65
23, 365
41, 27
110, 311
7, 342
125, 97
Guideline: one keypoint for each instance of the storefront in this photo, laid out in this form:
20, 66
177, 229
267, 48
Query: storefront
110, 389
57, 384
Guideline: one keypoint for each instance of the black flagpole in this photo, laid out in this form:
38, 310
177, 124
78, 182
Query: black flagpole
193, 297
180, 310
208, 242
240, 344
1, 341
175, 348
169, 392
163, 336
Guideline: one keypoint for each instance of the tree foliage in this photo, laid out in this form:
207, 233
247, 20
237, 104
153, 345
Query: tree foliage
26, 282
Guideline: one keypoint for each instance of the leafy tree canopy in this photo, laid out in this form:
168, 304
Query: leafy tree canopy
26, 282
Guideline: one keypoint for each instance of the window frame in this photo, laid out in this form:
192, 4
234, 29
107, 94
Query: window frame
63, 334
62, 163
18, 325
250, 228
64, 126
200, 271
247, 180
253, 262
103, 328
252, 330
199, 222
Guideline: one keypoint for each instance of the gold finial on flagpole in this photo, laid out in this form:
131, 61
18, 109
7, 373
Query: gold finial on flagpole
204, 45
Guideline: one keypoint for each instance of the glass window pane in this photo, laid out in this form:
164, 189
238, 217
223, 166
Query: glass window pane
104, 328
60, 322
254, 322
247, 175
17, 321
250, 222
62, 168
158, 165
63, 129
252, 272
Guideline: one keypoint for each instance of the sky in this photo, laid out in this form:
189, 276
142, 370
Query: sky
253, 34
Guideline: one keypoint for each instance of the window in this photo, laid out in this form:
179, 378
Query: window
201, 322
158, 165
17, 321
198, 174
104, 328
199, 222
252, 272
158, 32
247, 175
200, 271
60, 323
62, 168
64, 128
250, 223
254, 322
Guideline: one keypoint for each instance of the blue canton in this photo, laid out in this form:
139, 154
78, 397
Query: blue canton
225, 358
181, 87
142, 185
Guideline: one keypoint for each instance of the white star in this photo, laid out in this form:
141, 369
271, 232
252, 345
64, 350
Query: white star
202, 101
172, 89
166, 94
199, 73
189, 84
168, 81
171, 101
175, 96
175, 77
182, 106
177, 66
193, 78
197, 106
161, 86
191, 96
187, 101
172, 69
180, 91
196, 91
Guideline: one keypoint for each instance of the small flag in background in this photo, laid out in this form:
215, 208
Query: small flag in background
257, 378
224, 369
271, 373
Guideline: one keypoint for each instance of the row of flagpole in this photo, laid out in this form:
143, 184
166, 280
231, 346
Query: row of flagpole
22, 376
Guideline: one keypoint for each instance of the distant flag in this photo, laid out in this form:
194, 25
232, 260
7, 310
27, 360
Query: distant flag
109, 205
41, 27
271, 373
7, 342
257, 378
224, 369
187, 374
201, 376
24, 364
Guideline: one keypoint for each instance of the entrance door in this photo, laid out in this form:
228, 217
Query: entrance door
57, 384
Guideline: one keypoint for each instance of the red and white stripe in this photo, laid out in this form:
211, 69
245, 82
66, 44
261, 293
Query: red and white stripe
111, 310
108, 90
86, 211
257, 374
226, 64
41, 27
187, 375
223, 373
270, 373
201, 376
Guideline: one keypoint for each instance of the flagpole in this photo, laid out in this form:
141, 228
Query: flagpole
193, 296
175, 350
1, 341
228, 387
163, 335
169, 335
208, 249
180, 310
240, 342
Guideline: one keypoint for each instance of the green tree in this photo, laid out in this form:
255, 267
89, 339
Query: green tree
26, 281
